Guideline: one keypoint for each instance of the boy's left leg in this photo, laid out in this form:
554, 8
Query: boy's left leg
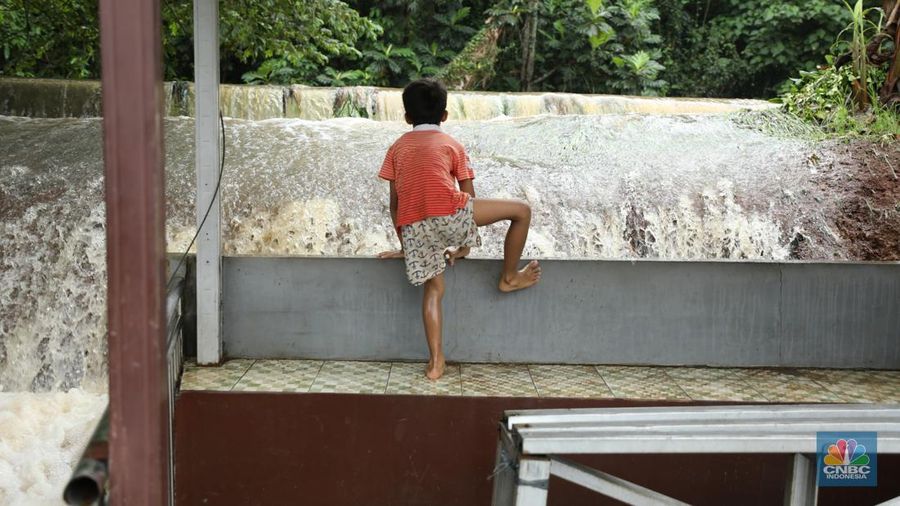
487, 211
432, 315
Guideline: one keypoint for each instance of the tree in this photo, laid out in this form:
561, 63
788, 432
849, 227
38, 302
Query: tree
60, 38
745, 48
529, 44
51, 38
890, 90
295, 37
473, 67
587, 46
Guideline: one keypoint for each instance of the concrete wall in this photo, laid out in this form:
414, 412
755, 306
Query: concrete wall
61, 98
49, 98
612, 312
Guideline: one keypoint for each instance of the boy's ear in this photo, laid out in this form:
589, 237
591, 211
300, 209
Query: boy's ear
444, 117
408, 119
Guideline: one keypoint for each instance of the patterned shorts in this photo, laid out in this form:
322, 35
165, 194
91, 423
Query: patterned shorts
426, 241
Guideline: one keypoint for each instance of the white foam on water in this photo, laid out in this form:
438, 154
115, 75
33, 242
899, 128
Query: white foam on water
42, 437
611, 186
685, 187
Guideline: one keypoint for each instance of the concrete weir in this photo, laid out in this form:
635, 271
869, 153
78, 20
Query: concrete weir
60, 98
836, 315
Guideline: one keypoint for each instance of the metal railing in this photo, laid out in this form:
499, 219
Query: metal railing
175, 362
531, 443
89, 482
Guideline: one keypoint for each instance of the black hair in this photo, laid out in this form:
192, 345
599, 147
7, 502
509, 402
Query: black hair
425, 101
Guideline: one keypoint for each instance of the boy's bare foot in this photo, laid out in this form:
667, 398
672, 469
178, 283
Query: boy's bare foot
391, 254
527, 276
454, 254
435, 369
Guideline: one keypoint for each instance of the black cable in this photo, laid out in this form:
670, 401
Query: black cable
208, 209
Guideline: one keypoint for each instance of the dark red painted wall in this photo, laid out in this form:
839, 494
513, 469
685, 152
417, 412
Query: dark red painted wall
337, 449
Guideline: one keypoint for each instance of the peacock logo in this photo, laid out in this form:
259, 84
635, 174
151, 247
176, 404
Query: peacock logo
847, 459
846, 452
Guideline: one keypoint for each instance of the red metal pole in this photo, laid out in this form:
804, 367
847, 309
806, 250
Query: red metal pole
135, 219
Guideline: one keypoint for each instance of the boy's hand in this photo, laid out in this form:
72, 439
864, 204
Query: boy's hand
391, 254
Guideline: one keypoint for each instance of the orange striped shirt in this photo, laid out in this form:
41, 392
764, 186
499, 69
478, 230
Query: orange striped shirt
425, 165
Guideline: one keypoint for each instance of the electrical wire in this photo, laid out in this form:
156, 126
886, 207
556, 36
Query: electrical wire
208, 209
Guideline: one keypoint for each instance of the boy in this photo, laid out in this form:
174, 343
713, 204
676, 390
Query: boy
438, 222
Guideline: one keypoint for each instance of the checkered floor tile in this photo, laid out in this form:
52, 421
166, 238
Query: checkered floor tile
220, 378
497, 380
714, 384
785, 385
352, 377
409, 378
634, 382
858, 386
569, 381
564, 381
279, 376
698, 373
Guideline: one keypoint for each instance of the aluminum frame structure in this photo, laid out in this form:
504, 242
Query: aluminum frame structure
531, 441
208, 205
175, 362
88, 483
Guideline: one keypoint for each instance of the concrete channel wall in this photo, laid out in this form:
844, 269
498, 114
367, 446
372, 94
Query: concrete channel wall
841, 315
61, 98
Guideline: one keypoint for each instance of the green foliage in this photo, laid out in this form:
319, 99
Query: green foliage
744, 48
474, 66
860, 30
50, 38
591, 46
280, 40
824, 98
843, 99
274, 70
419, 38
332, 77
818, 96
640, 76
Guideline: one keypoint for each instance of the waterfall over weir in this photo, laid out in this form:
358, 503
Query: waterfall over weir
613, 184
46, 98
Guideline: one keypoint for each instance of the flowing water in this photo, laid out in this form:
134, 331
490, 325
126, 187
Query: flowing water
59, 98
605, 180
602, 186
41, 439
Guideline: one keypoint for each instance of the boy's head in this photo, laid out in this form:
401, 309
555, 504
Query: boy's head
425, 101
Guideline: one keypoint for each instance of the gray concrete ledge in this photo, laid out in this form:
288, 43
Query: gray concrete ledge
584, 311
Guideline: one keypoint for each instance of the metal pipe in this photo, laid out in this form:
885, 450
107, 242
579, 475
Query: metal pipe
90, 480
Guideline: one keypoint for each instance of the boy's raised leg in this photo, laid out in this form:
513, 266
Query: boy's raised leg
489, 211
432, 315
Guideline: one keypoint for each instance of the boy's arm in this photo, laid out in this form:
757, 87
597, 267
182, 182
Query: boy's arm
462, 171
468, 186
394, 205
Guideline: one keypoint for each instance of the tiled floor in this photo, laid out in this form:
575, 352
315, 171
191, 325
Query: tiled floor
570, 381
